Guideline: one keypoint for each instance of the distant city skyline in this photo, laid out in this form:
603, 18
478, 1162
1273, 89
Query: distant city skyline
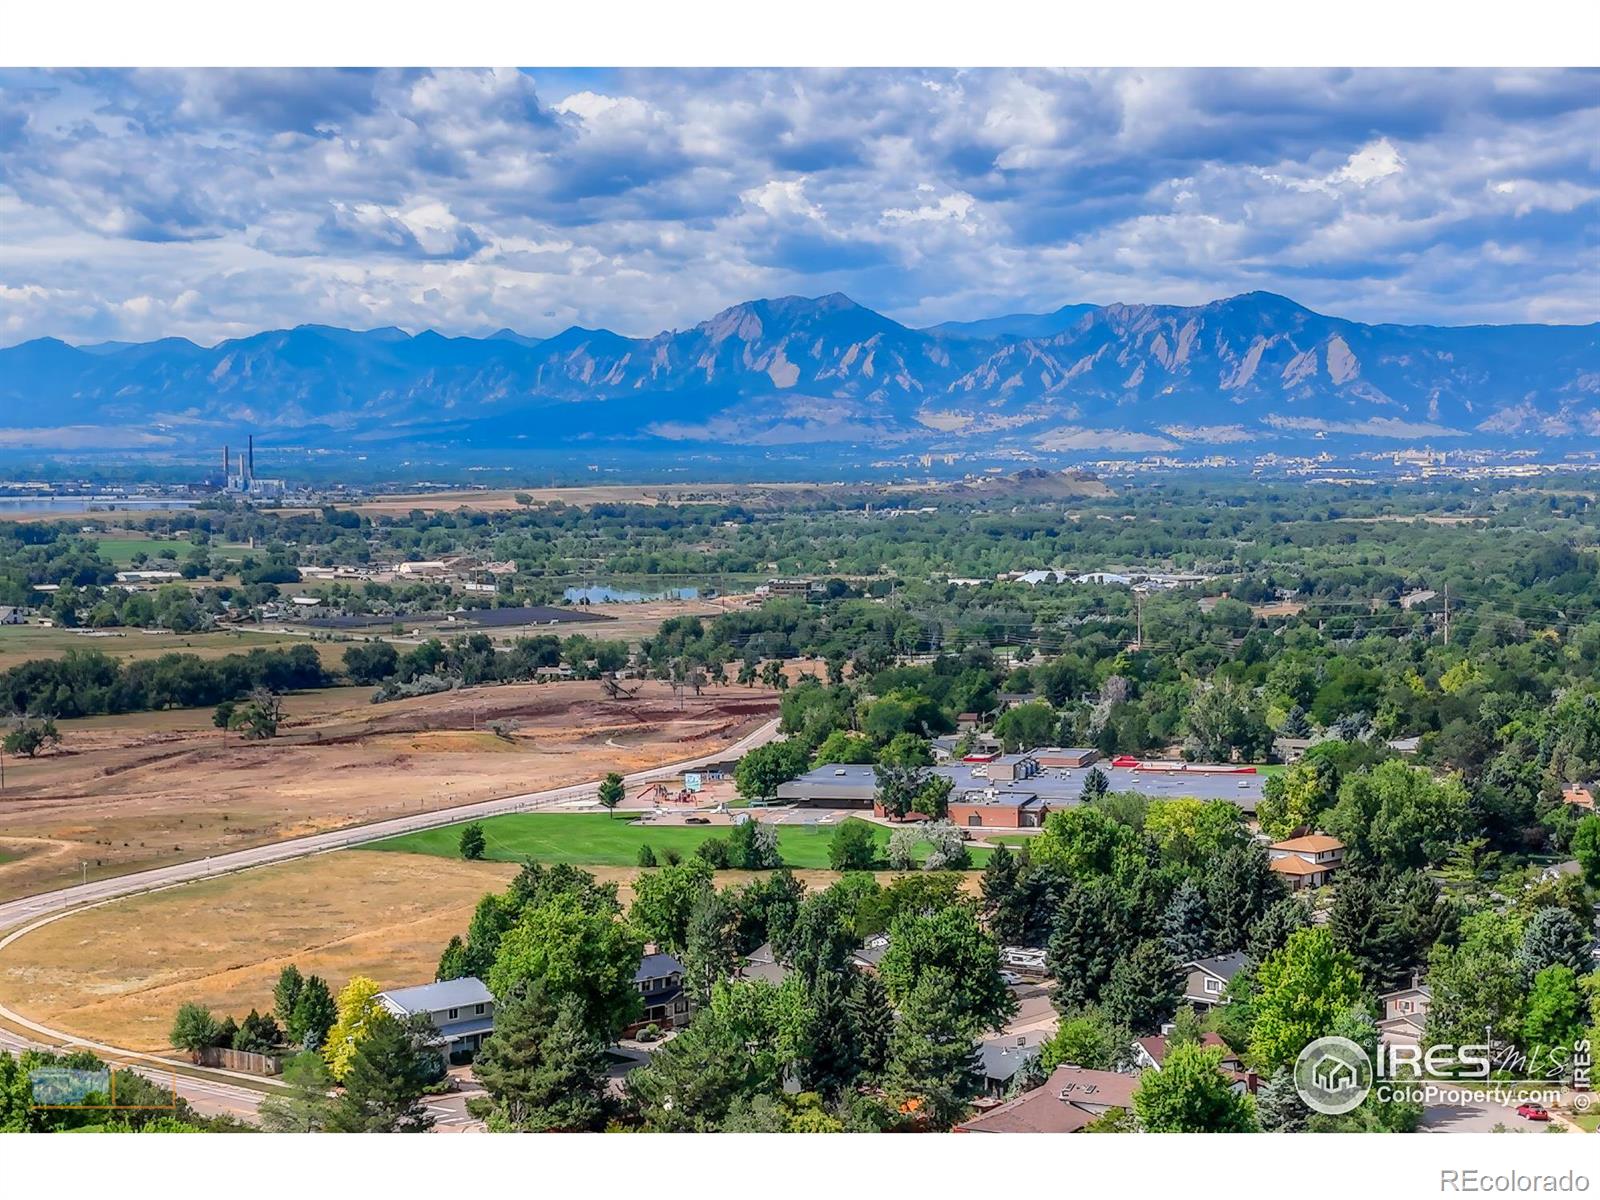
211, 204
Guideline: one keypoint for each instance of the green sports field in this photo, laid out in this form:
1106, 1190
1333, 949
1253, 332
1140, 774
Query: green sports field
598, 840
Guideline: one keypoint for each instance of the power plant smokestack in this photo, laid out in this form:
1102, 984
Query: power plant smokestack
225, 464
250, 457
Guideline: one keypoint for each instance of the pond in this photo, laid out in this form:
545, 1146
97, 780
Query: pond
605, 594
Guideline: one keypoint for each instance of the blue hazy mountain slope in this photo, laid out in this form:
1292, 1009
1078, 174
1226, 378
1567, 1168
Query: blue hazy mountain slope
1255, 368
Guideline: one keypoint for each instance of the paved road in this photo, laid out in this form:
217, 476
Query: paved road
213, 1094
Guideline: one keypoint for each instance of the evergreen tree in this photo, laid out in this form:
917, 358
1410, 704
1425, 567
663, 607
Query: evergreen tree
453, 962
1279, 1108
1144, 988
542, 1069
472, 843
872, 1020
314, 1014
1240, 887
1095, 785
1186, 924
1553, 937
933, 1058
285, 992
1272, 931
1363, 925
999, 885
1423, 918
829, 1057
1082, 949
384, 1083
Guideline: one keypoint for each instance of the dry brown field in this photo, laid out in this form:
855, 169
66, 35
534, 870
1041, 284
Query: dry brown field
128, 792
118, 973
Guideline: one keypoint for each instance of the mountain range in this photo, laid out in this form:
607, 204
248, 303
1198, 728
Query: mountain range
1250, 372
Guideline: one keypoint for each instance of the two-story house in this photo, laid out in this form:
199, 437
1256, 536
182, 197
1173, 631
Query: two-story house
1206, 979
660, 981
461, 1009
1307, 862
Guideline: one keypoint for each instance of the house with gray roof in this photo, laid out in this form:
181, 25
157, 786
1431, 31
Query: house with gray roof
1206, 979
461, 1009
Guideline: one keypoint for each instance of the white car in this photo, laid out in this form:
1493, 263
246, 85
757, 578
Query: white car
1010, 978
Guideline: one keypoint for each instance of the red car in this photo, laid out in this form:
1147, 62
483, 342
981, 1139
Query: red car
1533, 1112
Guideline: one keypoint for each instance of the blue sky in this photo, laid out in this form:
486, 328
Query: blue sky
208, 204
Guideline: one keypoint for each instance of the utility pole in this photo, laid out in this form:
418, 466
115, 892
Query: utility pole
1447, 614
1138, 611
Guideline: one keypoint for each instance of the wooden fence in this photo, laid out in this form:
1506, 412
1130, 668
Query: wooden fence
241, 1060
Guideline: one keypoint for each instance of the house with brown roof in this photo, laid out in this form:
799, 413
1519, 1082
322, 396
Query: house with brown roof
1580, 795
1069, 1100
1307, 862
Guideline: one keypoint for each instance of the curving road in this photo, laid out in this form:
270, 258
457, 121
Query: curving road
213, 1093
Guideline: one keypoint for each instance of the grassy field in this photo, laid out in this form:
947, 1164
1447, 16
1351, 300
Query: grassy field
119, 548
19, 643
598, 840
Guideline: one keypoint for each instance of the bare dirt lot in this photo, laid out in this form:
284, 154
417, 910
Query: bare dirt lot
129, 792
117, 973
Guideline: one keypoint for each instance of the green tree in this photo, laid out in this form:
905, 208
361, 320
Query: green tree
760, 772
1024, 726
314, 1014
842, 746
194, 1029
1186, 923
384, 1081
543, 1069
933, 1058
1556, 1016
1586, 848
1089, 1038
1478, 986
664, 899
576, 951
735, 1049
1399, 816
998, 886
852, 847
1301, 991
753, 846
453, 962
1240, 887
610, 792
1144, 988
472, 843
871, 1021
1363, 924
1296, 797
1191, 1094
307, 1106
949, 944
